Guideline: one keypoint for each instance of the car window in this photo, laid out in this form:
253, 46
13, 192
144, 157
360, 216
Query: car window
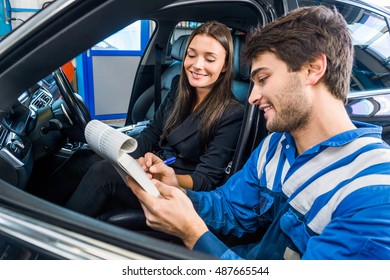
112, 66
184, 28
371, 39
126, 39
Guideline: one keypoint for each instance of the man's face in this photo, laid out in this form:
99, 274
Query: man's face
279, 93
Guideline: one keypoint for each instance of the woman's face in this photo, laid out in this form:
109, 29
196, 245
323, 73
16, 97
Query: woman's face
204, 62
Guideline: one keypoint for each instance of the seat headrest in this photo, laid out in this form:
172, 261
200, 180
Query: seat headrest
179, 47
240, 67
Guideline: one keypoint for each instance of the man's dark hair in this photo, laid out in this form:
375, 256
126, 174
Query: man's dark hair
303, 34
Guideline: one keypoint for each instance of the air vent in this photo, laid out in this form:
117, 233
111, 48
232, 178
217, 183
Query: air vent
42, 100
3, 136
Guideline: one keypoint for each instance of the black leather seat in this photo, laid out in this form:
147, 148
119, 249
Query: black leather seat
144, 106
134, 219
241, 70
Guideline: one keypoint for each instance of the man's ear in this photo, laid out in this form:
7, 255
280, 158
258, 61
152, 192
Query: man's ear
316, 69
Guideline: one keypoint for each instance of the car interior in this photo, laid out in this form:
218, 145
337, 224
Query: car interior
252, 132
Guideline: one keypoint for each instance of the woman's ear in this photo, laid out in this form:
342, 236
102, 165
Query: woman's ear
316, 69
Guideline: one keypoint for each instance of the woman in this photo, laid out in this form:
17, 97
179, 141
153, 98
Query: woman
198, 124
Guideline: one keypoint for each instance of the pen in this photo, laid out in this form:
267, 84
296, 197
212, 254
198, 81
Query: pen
168, 161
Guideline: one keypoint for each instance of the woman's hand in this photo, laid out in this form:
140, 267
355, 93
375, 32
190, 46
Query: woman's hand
158, 170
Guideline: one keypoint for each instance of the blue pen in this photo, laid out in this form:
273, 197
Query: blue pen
170, 160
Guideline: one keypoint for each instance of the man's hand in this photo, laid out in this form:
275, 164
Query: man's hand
172, 212
158, 170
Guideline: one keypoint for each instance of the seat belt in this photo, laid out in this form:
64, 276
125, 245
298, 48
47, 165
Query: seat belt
157, 78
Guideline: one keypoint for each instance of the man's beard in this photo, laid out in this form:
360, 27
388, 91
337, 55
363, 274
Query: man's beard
294, 110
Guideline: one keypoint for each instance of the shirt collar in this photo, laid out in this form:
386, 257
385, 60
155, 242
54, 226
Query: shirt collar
362, 129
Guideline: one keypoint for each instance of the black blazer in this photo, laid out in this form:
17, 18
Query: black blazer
206, 168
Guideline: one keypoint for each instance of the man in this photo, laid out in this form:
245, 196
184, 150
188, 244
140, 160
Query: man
320, 183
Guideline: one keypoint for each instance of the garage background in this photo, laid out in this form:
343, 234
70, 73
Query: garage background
102, 75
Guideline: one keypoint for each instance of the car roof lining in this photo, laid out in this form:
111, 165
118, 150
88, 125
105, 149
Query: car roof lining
237, 15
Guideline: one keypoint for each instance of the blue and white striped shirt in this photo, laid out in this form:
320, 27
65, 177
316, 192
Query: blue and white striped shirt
330, 202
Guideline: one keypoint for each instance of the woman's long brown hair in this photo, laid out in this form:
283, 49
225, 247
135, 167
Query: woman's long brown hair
220, 96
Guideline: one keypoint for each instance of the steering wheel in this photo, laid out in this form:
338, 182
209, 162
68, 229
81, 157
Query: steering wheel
79, 114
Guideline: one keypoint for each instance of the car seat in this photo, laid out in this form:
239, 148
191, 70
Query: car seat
241, 71
144, 106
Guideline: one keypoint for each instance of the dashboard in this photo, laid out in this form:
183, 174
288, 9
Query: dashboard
23, 127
